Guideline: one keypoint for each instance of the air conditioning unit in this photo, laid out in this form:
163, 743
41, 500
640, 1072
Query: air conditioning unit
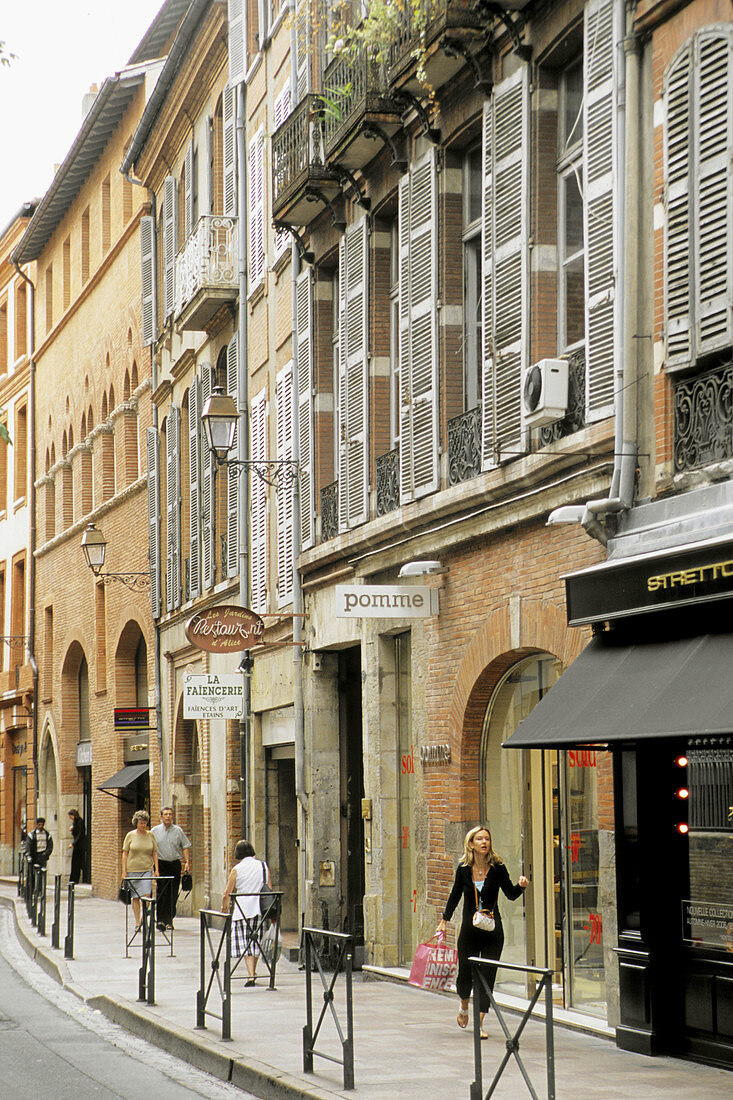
545, 392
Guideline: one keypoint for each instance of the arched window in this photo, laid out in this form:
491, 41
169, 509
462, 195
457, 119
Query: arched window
141, 674
83, 700
64, 445
126, 387
105, 411
90, 420
71, 437
134, 381
83, 425
111, 398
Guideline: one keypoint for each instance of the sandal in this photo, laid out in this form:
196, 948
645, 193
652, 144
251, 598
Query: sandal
483, 1035
462, 1018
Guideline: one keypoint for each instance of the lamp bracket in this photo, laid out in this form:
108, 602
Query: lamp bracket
136, 582
278, 472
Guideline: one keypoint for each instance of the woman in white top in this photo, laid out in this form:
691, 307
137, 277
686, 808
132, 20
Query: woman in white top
246, 877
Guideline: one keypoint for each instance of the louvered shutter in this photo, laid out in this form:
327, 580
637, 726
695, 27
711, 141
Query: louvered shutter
208, 205
256, 209
258, 503
405, 405
599, 160
419, 370
232, 479
194, 486
173, 509
302, 35
353, 375
147, 274
713, 206
284, 499
154, 520
282, 108
229, 152
208, 502
237, 42
170, 237
678, 272
505, 299
188, 191
305, 383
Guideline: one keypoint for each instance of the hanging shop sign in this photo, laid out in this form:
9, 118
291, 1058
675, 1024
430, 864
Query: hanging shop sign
84, 754
224, 629
136, 749
213, 696
385, 601
132, 718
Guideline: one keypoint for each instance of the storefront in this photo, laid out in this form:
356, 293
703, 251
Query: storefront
654, 692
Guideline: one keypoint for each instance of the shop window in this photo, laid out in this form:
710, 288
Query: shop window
710, 781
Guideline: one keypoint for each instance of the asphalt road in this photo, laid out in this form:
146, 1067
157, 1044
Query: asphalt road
52, 1045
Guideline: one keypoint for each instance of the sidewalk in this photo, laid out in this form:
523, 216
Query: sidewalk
406, 1041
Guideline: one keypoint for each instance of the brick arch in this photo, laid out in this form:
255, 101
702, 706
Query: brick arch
75, 652
538, 627
49, 771
125, 683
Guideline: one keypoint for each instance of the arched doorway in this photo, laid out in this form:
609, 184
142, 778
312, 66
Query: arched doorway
77, 740
48, 799
131, 691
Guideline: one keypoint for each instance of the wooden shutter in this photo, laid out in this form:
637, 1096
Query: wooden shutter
154, 520
505, 296
284, 498
677, 258
419, 368
282, 108
173, 509
302, 52
237, 42
208, 206
208, 484
713, 203
599, 162
194, 486
353, 375
170, 237
256, 209
405, 408
232, 478
258, 503
229, 151
305, 385
147, 272
188, 192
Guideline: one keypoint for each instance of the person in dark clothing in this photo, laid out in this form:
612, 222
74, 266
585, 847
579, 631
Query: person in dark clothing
78, 846
40, 843
479, 877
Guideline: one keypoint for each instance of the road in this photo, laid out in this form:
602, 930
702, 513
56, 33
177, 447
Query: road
53, 1045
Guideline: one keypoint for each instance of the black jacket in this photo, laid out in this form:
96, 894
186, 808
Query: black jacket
36, 856
497, 877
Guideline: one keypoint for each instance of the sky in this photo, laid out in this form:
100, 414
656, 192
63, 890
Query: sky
62, 47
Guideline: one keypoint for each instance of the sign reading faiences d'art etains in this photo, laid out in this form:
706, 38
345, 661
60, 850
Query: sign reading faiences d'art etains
224, 629
385, 601
210, 696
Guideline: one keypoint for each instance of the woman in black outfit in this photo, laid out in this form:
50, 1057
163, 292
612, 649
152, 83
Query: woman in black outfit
480, 875
78, 846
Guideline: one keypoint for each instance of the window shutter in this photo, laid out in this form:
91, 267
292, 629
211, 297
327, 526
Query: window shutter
229, 151
258, 503
505, 298
677, 194
154, 521
237, 42
282, 109
194, 483
256, 209
599, 161
170, 236
173, 525
302, 35
208, 501
405, 455
232, 479
353, 375
419, 381
147, 264
306, 444
284, 499
188, 193
713, 207
208, 205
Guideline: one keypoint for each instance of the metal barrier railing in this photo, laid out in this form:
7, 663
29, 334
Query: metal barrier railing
138, 928
512, 1040
28, 886
41, 900
257, 942
146, 974
21, 874
211, 920
56, 926
69, 939
343, 962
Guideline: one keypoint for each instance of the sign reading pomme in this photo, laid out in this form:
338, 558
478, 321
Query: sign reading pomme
213, 696
224, 629
385, 601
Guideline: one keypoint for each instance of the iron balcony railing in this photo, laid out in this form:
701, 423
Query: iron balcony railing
464, 446
388, 481
703, 418
329, 511
353, 85
297, 145
208, 260
434, 18
574, 418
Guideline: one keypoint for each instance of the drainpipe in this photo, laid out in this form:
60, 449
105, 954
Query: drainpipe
32, 525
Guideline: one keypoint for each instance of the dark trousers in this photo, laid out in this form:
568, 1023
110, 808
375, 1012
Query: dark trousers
485, 945
167, 895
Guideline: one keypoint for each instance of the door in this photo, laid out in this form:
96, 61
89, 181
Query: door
352, 792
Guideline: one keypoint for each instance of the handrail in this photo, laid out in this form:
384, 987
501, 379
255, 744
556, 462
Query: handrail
208, 918
310, 1035
297, 144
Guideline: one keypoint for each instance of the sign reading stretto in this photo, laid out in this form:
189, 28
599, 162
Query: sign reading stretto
385, 601
213, 696
224, 629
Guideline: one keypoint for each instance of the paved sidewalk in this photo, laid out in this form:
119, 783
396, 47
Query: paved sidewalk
406, 1041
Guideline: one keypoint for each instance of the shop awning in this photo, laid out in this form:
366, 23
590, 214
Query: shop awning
622, 692
124, 778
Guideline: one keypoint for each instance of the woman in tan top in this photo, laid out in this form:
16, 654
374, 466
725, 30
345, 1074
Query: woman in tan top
139, 862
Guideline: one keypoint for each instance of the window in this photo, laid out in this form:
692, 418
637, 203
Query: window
82, 699
21, 320
3, 466
17, 612
3, 337
47, 652
49, 297
85, 246
106, 216
472, 278
570, 250
66, 274
394, 335
20, 447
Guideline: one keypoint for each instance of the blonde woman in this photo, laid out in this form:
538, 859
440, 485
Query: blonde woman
139, 862
479, 877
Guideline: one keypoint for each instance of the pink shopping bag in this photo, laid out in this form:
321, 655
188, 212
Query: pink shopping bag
434, 965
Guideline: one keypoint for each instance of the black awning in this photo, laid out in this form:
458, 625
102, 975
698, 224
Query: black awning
124, 778
622, 692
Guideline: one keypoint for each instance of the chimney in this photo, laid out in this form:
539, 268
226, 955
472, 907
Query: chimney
88, 100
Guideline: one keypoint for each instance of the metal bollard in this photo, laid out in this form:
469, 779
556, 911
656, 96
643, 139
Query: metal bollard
146, 974
56, 926
41, 901
69, 941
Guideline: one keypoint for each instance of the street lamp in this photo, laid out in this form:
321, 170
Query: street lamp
94, 548
219, 417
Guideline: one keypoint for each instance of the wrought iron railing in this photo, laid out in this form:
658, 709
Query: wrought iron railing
208, 259
574, 418
352, 83
703, 425
433, 18
388, 482
329, 511
296, 145
464, 446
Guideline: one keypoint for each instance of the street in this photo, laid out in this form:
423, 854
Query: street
52, 1044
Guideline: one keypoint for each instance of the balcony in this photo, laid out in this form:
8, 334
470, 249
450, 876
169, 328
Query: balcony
329, 511
388, 482
206, 272
703, 419
358, 114
464, 446
301, 182
448, 31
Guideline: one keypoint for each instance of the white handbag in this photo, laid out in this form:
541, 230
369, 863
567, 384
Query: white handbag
483, 918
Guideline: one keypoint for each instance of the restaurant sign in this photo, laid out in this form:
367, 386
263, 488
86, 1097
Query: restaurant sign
225, 629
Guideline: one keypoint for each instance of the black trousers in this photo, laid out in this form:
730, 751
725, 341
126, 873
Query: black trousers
486, 945
167, 897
